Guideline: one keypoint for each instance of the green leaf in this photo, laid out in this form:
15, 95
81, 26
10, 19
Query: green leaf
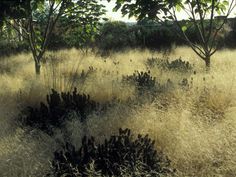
226, 3
178, 7
184, 28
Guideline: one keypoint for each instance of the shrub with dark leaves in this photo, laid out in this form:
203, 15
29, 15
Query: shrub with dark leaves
175, 65
155, 62
120, 151
145, 83
179, 65
53, 113
142, 80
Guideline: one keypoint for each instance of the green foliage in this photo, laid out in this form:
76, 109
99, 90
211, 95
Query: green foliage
115, 36
41, 16
153, 35
197, 12
79, 19
13, 8
77, 26
179, 65
145, 34
80, 36
142, 80
141, 8
10, 48
200, 6
53, 114
81, 25
110, 158
229, 40
145, 84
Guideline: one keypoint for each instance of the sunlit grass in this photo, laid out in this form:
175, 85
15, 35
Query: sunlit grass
196, 130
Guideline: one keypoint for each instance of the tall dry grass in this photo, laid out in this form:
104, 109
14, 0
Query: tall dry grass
196, 130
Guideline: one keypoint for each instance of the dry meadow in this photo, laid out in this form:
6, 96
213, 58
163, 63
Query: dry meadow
194, 126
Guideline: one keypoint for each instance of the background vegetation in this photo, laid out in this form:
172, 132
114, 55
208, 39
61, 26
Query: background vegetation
116, 36
113, 98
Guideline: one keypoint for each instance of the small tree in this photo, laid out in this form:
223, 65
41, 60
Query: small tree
84, 24
38, 34
201, 15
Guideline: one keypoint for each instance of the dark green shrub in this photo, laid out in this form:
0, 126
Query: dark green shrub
11, 48
179, 65
155, 36
145, 83
175, 65
156, 62
53, 114
120, 151
142, 80
115, 36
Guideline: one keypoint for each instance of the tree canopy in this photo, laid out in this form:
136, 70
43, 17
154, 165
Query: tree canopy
200, 14
35, 20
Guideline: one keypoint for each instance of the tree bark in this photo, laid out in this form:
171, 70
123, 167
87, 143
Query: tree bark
37, 67
208, 63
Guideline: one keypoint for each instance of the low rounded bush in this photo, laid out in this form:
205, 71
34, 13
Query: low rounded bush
54, 113
175, 65
179, 65
142, 80
145, 83
118, 154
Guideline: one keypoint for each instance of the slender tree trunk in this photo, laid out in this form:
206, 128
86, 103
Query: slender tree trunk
37, 66
208, 63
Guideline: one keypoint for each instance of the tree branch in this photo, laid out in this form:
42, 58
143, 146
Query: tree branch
194, 47
231, 8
